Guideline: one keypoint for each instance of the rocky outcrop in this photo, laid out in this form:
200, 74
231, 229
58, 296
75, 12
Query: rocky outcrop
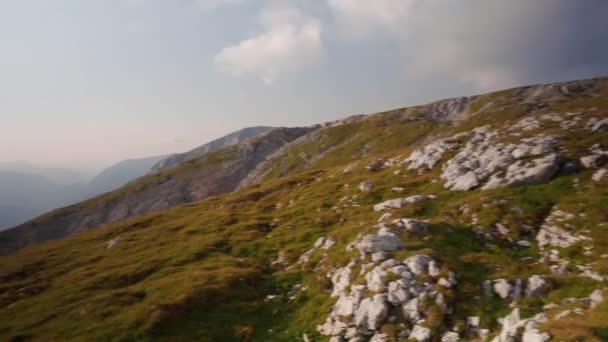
225, 141
210, 175
514, 328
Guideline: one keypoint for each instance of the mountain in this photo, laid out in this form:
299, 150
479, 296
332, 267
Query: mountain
475, 218
23, 196
212, 174
56, 175
225, 141
121, 173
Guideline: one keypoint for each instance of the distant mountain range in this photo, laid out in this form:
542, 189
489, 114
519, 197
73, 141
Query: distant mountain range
28, 190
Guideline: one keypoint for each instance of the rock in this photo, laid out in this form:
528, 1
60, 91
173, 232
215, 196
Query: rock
420, 333
429, 156
502, 288
600, 126
599, 175
537, 286
450, 336
375, 279
320, 241
433, 269
418, 264
524, 243
372, 312
411, 225
398, 203
384, 217
366, 186
538, 170
349, 168
411, 310
562, 314
487, 288
379, 338
397, 293
473, 322
341, 279
113, 242
444, 283
398, 189
594, 161
375, 165
526, 124
379, 243
556, 237
596, 298
329, 243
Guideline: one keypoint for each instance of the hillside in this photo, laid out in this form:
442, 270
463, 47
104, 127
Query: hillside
225, 141
478, 218
212, 174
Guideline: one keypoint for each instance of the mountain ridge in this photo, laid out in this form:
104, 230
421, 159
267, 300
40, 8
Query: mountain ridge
394, 226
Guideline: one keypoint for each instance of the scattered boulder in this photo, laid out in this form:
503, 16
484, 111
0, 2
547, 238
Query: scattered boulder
398, 203
537, 286
450, 336
420, 333
596, 298
411, 225
600, 175
366, 186
372, 312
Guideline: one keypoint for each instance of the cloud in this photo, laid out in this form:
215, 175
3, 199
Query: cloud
362, 19
208, 5
290, 41
482, 45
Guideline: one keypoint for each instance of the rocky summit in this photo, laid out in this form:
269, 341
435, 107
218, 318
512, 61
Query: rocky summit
479, 218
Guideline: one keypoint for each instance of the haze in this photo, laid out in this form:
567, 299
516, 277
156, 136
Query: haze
84, 84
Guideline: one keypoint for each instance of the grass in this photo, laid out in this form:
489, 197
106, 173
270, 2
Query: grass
203, 271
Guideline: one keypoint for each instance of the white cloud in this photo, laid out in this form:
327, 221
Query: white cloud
208, 5
290, 41
362, 19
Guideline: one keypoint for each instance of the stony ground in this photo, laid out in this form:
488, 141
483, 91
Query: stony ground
483, 224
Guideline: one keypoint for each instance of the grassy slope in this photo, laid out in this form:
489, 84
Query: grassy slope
203, 270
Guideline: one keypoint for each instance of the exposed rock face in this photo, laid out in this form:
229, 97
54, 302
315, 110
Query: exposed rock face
480, 161
225, 141
154, 192
447, 110
514, 329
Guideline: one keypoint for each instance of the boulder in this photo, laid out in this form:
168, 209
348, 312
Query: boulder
418, 264
594, 161
596, 298
537, 286
372, 312
599, 175
600, 126
366, 186
502, 288
411, 225
411, 310
375, 243
450, 336
420, 333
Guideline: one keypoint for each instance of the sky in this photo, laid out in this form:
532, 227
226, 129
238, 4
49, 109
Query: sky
87, 83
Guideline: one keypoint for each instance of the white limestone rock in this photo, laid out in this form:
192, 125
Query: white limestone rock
537, 286
596, 298
398, 203
420, 333
502, 288
372, 312
418, 264
450, 336
600, 175
411, 225
366, 186
377, 243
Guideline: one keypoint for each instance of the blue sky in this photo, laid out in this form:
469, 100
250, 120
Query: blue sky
86, 83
